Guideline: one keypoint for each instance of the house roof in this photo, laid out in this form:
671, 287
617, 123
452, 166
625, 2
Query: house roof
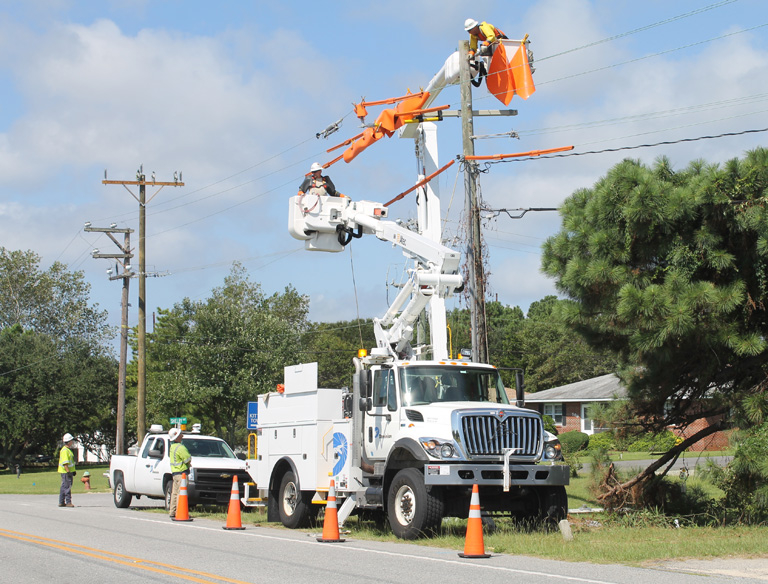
598, 389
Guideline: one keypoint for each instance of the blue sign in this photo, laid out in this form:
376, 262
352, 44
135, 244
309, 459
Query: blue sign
253, 416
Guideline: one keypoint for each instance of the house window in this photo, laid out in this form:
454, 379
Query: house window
586, 420
554, 411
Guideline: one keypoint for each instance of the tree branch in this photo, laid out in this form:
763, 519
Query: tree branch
670, 455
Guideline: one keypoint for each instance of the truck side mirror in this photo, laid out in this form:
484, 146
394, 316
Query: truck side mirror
154, 453
366, 404
519, 389
366, 389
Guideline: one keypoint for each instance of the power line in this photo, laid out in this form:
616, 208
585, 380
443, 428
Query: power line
641, 29
665, 143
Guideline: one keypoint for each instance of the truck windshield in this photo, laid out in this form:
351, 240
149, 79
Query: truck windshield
208, 448
434, 383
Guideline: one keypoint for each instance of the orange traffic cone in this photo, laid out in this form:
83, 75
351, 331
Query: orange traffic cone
233, 514
182, 506
331, 521
473, 544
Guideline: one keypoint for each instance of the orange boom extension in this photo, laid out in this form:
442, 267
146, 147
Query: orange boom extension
423, 181
520, 154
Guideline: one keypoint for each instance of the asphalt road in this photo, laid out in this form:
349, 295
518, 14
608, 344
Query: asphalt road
98, 543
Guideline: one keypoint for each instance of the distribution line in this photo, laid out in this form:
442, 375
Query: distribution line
129, 561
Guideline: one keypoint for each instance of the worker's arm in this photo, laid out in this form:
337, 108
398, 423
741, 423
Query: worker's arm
304, 185
330, 188
488, 32
472, 43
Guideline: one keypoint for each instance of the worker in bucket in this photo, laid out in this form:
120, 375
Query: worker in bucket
482, 31
317, 183
181, 460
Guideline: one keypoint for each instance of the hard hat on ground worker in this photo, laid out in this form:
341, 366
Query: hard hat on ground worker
173, 434
67, 438
86, 474
315, 166
469, 24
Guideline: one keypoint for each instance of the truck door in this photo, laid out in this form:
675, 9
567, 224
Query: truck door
379, 430
148, 470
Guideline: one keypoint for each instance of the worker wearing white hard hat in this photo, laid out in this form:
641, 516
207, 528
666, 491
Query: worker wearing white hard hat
317, 184
181, 461
482, 31
66, 470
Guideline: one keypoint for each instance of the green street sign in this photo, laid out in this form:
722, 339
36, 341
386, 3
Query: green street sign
178, 420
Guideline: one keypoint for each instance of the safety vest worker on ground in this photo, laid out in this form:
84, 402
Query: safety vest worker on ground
181, 460
482, 31
316, 183
66, 470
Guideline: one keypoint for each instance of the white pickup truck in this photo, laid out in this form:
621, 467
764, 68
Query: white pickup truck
148, 472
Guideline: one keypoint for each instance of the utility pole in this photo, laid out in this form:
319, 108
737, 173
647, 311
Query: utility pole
476, 276
123, 259
141, 390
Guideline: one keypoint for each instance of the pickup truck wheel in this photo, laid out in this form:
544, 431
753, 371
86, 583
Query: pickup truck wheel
167, 490
413, 510
293, 505
122, 497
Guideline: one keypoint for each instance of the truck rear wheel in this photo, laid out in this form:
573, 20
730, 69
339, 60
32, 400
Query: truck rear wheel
413, 511
293, 505
122, 497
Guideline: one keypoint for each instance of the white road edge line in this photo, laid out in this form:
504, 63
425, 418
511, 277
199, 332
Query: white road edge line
347, 546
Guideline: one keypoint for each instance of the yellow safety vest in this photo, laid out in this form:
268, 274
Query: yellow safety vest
66, 457
180, 458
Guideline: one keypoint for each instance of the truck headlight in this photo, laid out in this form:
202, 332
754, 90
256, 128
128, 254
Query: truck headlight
552, 450
438, 448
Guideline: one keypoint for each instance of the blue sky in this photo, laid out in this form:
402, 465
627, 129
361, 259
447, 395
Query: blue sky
232, 95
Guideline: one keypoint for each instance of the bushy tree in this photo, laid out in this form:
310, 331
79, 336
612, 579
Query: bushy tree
553, 353
207, 359
56, 374
670, 269
332, 346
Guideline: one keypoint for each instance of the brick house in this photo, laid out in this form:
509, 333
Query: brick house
569, 406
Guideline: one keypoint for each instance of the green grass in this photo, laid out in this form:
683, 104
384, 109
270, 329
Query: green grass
46, 481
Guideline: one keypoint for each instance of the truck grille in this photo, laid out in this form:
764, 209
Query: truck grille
488, 435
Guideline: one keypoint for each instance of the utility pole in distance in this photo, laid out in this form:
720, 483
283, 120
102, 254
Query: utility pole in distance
141, 389
123, 259
476, 276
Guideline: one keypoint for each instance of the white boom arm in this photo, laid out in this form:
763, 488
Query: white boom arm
329, 224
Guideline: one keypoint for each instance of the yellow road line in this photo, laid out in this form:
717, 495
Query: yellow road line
107, 556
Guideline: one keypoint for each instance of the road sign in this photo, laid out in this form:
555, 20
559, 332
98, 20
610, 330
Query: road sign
253, 415
178, 420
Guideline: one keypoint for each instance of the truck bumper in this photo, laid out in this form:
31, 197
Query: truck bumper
493, 474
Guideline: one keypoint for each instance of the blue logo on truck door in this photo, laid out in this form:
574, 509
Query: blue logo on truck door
340, 448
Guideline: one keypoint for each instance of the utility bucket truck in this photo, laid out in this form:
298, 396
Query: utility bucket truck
412, 436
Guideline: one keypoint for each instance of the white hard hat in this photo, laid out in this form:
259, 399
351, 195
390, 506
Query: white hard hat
173, 433
469, 24
315, 166
67, 438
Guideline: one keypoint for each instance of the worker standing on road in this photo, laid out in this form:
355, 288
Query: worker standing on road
66, 470
482, 31
317, 183
181, 460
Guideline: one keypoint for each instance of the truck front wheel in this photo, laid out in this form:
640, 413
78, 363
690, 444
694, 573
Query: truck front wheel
293, 505
167, 491
553, 505
122, 497
413, 510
